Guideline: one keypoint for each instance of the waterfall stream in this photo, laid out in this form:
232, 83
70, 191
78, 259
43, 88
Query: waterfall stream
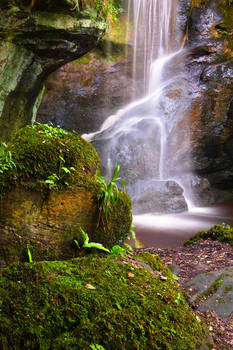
149, 138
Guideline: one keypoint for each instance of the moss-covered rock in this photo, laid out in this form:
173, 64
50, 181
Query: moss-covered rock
221, 233
131, 304
49, 193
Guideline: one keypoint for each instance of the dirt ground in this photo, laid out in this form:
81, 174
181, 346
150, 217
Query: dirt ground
205, 256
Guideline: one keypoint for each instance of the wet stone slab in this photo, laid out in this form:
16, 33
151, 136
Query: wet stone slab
213, 291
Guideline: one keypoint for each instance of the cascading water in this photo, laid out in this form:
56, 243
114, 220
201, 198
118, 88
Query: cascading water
149, 137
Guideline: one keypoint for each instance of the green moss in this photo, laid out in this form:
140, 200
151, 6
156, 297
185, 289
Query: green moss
198, 3
41, 151
97, 8
221, 233
49, 306
226, 8
111, 230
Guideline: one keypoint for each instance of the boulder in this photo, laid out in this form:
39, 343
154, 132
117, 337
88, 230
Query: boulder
50, 193
93, 302
155, 196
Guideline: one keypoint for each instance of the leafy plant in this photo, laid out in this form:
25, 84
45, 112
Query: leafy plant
133, 234
96, 347
6, 161
107, 9
13, 9
77, 244
117, 250
29, 254
86, 243
53, 180
109, 193
49, 130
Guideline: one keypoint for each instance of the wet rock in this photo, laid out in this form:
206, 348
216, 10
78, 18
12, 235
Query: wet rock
50, 194
209, 68
156, 196
198, 190
213, 291
80, 96
33, 44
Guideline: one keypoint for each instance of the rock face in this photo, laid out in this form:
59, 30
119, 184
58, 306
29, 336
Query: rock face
50, 193
158, 197
82, 94
210, 69
33, 43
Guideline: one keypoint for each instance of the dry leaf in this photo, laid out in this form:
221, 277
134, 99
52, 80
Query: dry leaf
131, 275
89, 286
163, 278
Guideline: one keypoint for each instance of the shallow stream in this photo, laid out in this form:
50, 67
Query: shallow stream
173, 230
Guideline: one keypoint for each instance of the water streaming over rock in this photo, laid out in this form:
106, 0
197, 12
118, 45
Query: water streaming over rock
149, 138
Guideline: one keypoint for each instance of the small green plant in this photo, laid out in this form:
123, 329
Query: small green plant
86, 243
49, 130
109, 193
13, 9
117, 250
178, 299
96, 347
133, 234
29, 254
6, 161
53, 180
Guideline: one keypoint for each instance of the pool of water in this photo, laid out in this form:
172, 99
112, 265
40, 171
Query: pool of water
173, 230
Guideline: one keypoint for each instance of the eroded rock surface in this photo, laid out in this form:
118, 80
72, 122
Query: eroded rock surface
210, 70
34, 43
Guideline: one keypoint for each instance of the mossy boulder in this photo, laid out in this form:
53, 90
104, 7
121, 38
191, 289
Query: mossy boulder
128, 303
49, 193
222, 233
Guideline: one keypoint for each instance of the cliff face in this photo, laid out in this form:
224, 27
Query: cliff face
81, 98
210, 70
33, 43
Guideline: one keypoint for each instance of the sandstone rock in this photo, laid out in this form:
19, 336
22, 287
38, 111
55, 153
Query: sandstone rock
210, 69
34, 44
50, 194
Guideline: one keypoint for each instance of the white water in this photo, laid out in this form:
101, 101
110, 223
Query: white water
140, 137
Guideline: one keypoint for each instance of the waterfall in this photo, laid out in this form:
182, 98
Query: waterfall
149, 137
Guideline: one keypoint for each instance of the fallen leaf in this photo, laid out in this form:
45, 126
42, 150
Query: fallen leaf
131, 275
163, 278
89, 286
167, 300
